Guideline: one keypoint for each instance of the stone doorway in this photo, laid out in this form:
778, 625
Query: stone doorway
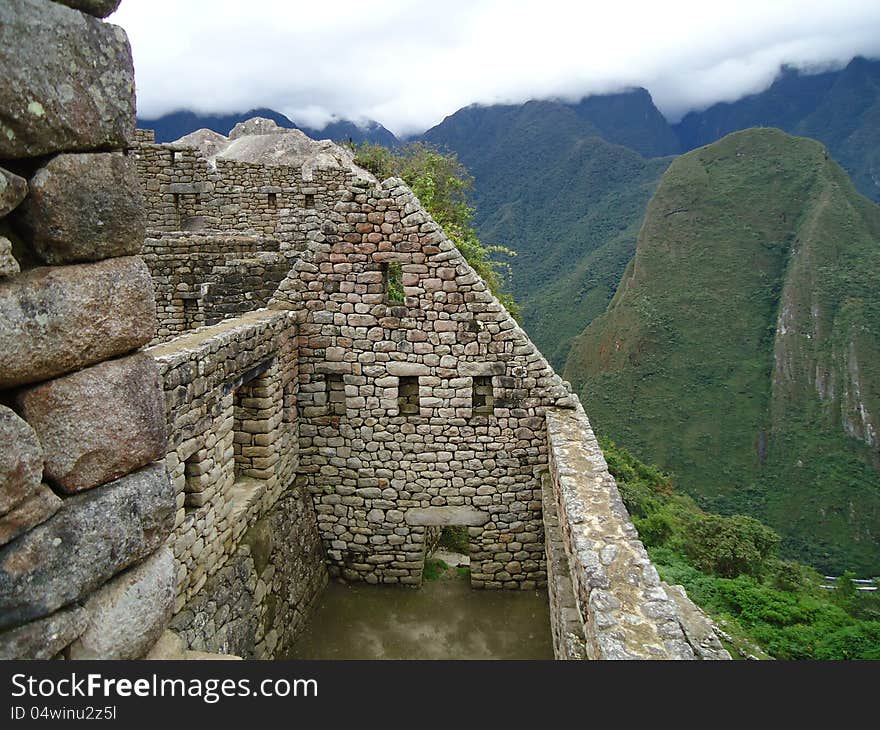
450, 536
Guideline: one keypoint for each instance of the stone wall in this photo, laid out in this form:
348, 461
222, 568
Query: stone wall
381, 472
202, 278
248, 559
184, 190
85, 508
256, 605
624, 609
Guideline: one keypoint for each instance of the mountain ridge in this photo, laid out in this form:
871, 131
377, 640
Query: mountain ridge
741, 347
174, 125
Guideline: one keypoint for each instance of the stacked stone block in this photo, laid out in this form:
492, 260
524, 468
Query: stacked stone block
413, 415
186, 191
85, 508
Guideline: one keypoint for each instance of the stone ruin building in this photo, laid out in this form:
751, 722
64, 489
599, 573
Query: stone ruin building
211, 402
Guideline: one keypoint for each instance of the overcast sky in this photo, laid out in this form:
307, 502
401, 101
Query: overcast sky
410, 64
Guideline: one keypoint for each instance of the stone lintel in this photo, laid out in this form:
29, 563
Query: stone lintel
446, 516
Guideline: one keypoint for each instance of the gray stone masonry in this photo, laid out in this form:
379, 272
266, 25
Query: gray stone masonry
625, 610
78, 97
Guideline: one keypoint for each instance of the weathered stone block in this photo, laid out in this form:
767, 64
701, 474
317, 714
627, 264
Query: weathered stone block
57, 319
84, 207
44, 638
79, 96
128, 614
399, 369
481, 368
193, 188
90, 539
98, 8
21, 463
99, 423
13, 190
8, 262
37, 508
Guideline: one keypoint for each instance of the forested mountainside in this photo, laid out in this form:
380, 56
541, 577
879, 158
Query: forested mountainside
742, 348
839, 108
550, 186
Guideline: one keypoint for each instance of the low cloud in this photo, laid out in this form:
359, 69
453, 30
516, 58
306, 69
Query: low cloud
410, 64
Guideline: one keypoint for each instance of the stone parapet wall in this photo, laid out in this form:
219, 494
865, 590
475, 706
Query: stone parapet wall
382, 471
566, 625
85, 507
625, 610
203, 278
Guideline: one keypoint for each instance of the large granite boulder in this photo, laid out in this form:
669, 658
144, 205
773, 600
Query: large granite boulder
68, 81
98, 423
21, 460
128, 614
57, 319
84, 207
93, 537
37, 508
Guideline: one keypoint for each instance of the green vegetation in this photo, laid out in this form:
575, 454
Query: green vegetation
839, 108
395, 283
729, 567
455, 539
692, 367
434, 569
442, 184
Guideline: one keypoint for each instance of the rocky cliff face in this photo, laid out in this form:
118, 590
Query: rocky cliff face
741, 347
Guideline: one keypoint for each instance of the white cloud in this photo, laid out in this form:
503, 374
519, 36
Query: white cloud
409, 64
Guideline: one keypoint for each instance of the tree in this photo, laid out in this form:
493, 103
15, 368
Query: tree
442, 184
730, 546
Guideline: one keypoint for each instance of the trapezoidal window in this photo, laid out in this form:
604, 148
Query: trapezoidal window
273, 200
254, 407
408, 395
194, 481
392, 280
483, 397
335, 393
310, 200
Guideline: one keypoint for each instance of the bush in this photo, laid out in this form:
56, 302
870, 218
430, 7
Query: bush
730, 546
655, 529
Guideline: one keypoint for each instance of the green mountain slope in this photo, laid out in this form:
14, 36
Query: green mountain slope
742, 348
569, 202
